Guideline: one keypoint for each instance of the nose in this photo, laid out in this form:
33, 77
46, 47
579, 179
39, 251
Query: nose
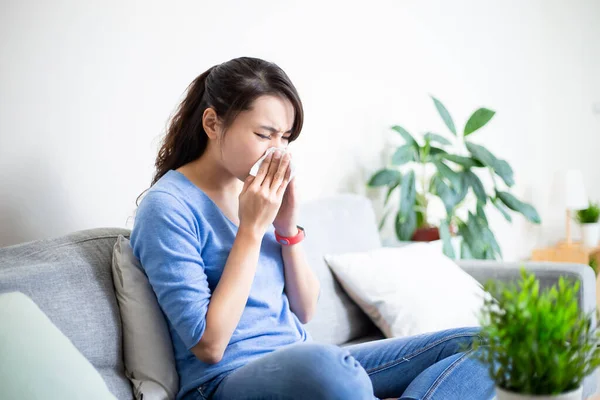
281, 144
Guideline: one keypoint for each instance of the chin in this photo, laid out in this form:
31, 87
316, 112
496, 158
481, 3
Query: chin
242, 176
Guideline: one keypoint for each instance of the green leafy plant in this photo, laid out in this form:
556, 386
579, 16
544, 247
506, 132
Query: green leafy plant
457, 174
536, 341
594, 265
589, 215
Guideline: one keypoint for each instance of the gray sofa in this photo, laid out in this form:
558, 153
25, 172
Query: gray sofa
69, 277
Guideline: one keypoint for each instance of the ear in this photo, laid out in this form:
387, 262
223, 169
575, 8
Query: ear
211, 123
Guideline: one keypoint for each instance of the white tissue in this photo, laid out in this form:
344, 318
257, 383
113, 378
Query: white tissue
256, 166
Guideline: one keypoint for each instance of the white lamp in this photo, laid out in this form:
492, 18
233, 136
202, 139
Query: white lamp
569, 188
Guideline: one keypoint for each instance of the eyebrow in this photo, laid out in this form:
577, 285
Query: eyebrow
273, 130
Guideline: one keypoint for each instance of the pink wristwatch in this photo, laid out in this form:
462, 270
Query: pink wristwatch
287, 241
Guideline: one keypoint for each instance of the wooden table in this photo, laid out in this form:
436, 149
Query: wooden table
563, 252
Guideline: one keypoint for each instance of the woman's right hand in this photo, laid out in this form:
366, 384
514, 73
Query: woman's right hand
262, 194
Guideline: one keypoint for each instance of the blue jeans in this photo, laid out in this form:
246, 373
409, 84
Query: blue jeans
426, 366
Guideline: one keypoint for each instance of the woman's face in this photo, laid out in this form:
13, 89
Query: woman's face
267, 124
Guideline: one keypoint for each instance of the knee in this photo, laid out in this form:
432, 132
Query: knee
328, 371
462, 339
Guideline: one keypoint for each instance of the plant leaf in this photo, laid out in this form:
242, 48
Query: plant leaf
391, 189
590, 214
474, 181
481, 153
424, 152
483, 237
491, 239
505, 172
409, 192
464, 189
500, 206
477, 120
444, 229
500, 167
470, 234
410, 140
517, 205
446, 193
383, 220
466, 162
421, 222
406, 220
435, 153
465, 252
384, 177
406, 225
446, 172
445, 115
434, 137
481, 215
404, 154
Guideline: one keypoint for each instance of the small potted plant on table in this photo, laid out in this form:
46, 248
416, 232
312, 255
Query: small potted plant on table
590, 229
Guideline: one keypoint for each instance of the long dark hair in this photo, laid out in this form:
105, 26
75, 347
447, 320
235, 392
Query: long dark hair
229, 88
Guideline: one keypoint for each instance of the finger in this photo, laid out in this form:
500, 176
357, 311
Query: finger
262, 170
247, 182
281, 172
272, 169
284, 184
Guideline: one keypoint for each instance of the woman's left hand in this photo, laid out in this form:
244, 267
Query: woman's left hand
285, 221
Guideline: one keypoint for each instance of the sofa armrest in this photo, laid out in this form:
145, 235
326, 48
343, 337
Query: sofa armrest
547, 273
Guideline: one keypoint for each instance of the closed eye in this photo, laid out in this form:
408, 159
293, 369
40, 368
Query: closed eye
269, 138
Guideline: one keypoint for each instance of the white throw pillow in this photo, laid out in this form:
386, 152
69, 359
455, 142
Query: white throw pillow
409, 290
147, 346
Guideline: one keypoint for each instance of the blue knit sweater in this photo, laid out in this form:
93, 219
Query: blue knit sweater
182, 240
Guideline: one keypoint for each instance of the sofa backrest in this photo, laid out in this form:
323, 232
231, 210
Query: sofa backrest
338, 224
70, 279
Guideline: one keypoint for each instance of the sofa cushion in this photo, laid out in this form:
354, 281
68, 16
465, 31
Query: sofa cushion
33, 365
147, 347
409, 290
338, 224
70, 279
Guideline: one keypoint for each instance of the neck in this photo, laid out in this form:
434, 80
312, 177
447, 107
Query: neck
208, 173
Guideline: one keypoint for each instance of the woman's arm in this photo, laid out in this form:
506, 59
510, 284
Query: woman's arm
230, 296
301, 284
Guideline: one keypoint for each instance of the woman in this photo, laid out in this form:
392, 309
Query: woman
234, 297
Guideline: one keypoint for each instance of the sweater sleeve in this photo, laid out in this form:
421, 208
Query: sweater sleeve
165, 241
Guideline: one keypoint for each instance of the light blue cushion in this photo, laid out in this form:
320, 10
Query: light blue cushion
37, 361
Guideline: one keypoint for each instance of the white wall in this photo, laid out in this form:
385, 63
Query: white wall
87, 87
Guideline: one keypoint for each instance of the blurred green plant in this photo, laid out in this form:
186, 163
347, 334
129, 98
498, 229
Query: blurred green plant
594, 265
456, 175
536, 341
589, 215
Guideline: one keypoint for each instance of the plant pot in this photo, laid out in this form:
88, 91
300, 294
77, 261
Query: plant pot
427, 234
590, 233
502, 394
